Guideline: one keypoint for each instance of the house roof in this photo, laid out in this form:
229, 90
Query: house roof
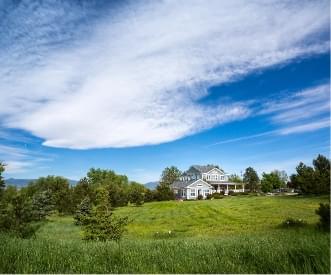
205, 168
182, 184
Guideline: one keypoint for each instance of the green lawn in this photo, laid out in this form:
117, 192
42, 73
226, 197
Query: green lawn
216, 218
231, 235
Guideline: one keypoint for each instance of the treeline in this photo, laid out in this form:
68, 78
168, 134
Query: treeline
91, 201
307, 179
93, 198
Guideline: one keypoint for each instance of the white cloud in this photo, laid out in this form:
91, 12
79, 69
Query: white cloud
137, 78
309, 103
306, 127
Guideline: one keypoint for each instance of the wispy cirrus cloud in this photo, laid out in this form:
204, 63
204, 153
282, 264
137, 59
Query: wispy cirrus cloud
307, 104
135, 76
20, 159
301, 112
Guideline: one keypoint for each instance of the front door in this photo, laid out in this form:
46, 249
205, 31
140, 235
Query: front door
199, 192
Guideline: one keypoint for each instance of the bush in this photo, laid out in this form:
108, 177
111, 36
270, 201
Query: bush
217, 196
292, 223
200, 197
102, 226
324, 212
209, 196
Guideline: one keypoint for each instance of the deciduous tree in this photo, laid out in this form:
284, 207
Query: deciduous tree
251, 179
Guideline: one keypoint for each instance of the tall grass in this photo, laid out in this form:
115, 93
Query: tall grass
232, 235
287, 251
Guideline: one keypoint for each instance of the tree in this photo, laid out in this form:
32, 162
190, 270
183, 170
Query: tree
170, 175
101, 225
150, 195
17, 217
58, 188
235, 178
136, 193
251, 179
116, 185
322, 174
164, 193
270, 181
2, 180
83, 210
282, 176
313, 180
82, 190
42, 204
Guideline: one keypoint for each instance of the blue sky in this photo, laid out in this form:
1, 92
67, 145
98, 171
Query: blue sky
138, 86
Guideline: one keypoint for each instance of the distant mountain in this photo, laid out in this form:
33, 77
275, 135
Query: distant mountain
18, 182
24, 182
151, 185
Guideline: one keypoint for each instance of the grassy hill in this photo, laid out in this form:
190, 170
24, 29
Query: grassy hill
232, 235
216, 218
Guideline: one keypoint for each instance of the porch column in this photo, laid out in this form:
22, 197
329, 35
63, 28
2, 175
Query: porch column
235, 186
243, 186
227, 188
218, 189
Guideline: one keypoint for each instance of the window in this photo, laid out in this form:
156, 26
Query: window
199, 184
183, 193
192, 193
206, 192
222, 177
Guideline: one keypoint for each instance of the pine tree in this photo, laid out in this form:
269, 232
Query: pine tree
101, 225
84, 210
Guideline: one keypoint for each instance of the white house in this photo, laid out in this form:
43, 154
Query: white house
204, 180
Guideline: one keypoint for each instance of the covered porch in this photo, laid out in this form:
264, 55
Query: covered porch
226, 187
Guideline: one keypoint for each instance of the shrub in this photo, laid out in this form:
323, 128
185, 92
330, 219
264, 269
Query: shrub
292, 223
136, 197
217, 195
209, 196
200, 197
324, 212
102, 226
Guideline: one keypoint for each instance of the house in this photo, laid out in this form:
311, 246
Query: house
203, 180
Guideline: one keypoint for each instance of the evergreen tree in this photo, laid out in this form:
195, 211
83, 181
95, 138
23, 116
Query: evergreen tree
101, 225
2, 180
84, 210
42, 204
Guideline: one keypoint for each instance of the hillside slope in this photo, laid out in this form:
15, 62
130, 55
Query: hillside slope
231, 215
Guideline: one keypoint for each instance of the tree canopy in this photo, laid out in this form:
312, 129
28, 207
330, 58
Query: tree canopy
251, 179
313, 180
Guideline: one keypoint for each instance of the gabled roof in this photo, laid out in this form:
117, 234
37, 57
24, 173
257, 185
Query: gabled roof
205, 168
184, 184
181, 184
202, 181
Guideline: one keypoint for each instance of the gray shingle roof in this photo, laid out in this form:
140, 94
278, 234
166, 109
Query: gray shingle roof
182, 184
205, 168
